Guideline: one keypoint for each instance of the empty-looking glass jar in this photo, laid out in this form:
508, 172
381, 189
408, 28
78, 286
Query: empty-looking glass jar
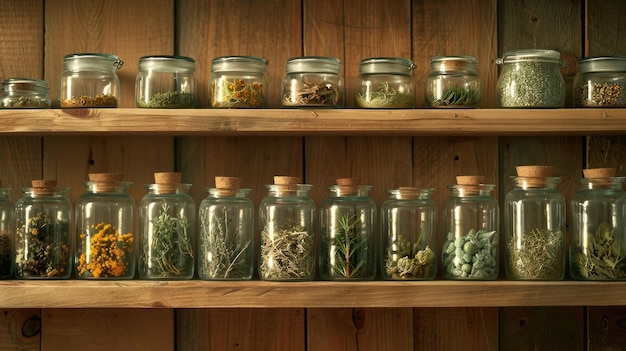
89, 80
385, 82
453, 82
166, 82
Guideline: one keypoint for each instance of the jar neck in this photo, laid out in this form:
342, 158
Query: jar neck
288, 190
107, 187
613, 183
411, 194
349, 190
398, 66
248, 64
44, 192
473, 190
313, 64
536, 182
223, 193
168, 188
24, 86
92, 62
180, 64
462, 64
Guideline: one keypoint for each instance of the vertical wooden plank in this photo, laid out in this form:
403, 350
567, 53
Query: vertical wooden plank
539, 328
606, 328
268, 29
108, 329
20, 329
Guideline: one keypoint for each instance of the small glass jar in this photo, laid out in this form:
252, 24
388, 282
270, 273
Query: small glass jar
226, 232
6, 233
166, 230
166, 82
312, 81
601, 82
42, 232
385, 82
105, 243
471, 220
287, 225
89, 80
453, 82
409, 234
238, 82
598, 227
348, 229
531, 79
534, 226
24, 93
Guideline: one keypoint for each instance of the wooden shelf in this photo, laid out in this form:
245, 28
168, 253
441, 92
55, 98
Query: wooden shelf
322, 294
272, 122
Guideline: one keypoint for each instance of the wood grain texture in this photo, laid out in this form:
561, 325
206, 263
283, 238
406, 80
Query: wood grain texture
607, 328
108, 329
20, 329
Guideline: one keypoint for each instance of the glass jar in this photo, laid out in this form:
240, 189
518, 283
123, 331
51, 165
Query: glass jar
166, 82
6, 233
238, 82
453, 82
312, 81
24, 93
471, 220
105, 243
42, 232
226, 232
601, 82
531, 79
348, 227
385, 83
166, 230
534, 226
409, 234
598, 227
89, 80
287, 225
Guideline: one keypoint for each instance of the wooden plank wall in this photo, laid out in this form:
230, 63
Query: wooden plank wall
276, 30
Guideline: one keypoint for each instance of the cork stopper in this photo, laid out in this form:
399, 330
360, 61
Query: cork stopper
287, 183
105, 181
599, 172
347, 186
227, 185
166, 182
408, 192
534, 176
470, 184
43, 186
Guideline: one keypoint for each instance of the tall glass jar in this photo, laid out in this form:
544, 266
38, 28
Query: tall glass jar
471, 220
601, 82
312, 81
105, 243
409, 234
166, 82
348, 229
42, 232
534, 226
238, 82
89, 80
531, 79
226, 232
385, 82
453, 82
598, 227
166, 230
6, 233
24, 93
287, 225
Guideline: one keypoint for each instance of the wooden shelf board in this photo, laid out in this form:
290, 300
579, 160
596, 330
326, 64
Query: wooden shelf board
271, 122
321, 294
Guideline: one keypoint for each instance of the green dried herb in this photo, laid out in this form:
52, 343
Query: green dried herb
346, 250
169, 252
537, 84
408, 260
538, 254
25, 102
286, 253
385, 97
5, 253
455, 96
225, 255
170, 99
473, 255
604, 257
42, 247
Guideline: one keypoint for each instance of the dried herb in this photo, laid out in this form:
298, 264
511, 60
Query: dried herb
603, 258
226, 257
538, 254
286, 253
408, 260
169, 253
473, 255
170, 99
385, 97
238, 94
311, 94
536, 84
346, 253
600, 95
42, 247
25, 102
455, 96
89, 101
5, 253
109, 252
